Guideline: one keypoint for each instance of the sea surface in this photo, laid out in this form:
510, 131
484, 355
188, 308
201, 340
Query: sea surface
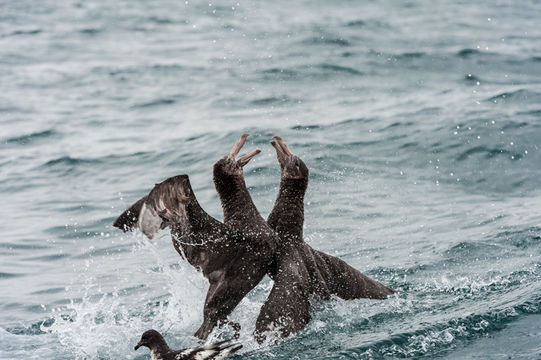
420, 122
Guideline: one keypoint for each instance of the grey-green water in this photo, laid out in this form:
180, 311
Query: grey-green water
420, 122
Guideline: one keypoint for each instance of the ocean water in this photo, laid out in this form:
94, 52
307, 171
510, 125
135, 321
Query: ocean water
420, 122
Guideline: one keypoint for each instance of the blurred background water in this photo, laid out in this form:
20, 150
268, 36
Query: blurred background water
420, 122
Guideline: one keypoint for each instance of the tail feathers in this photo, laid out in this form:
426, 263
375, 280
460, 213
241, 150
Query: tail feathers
347, 282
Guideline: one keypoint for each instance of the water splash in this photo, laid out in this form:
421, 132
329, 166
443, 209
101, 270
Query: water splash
99, 322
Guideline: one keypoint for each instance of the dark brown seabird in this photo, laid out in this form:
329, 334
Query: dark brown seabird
287, 219
301, 271
288, 301
159, 350
224, 255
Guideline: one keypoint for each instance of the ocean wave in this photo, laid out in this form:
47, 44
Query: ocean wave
160, 20
472, 79
6, 275
327, 40
33, 137
279, 74
535, 113
339, 69
20, 246
524, 239
369, 24
517, 96
274, 100
45, 258
155, 103
90, 31
305, 127
438, 338
488, 153
466, 53
55, 290
104, 251
70, 161
465, 250
26, 32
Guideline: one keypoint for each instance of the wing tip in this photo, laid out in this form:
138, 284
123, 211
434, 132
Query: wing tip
126, 222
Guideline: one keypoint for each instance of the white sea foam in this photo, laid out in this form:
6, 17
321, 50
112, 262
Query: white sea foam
99, 323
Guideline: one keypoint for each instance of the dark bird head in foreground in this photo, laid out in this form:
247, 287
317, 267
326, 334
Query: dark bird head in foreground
160, 350
152, 340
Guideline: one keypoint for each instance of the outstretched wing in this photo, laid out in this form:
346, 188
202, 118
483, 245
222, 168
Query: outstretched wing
164, 204
287, 308
127, 221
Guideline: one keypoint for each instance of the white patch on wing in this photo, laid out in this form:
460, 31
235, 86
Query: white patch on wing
205, 354
223, 354
183, 353
208, 346
149, 222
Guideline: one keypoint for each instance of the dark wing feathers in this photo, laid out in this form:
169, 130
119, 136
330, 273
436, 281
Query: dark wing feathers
127, 221
167, 198
155, 210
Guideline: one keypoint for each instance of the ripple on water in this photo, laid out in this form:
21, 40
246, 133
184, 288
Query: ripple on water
488, 153
34, 137
327, 40
155, 103
467, 53
280, 74
6, 275
521, 96
274, 100
524, 239
333, 68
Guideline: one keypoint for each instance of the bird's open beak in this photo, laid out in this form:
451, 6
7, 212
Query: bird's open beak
243, 160
282, 150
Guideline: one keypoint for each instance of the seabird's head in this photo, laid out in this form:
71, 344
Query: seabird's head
232, 164
292, 166
152, 340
